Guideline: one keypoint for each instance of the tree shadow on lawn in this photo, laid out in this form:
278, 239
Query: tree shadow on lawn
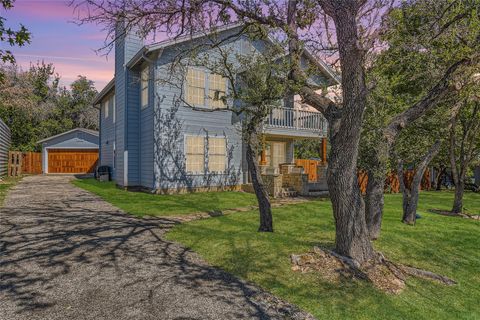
141, 203
251, 260
264, 259
51, 250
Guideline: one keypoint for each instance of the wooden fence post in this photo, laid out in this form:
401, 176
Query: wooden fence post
15, 159
20, 160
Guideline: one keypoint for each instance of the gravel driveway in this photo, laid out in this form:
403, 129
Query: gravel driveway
66, 254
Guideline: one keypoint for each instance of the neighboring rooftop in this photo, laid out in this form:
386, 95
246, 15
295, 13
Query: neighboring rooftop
89, 131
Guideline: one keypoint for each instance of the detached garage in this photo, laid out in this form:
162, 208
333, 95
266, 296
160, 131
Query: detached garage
74, 151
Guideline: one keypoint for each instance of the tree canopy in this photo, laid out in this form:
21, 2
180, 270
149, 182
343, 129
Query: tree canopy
35, 106
10, 36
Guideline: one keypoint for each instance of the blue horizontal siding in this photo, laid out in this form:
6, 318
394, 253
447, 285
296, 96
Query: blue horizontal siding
5, 141
146, 139
107, 135
169, 155
75, 139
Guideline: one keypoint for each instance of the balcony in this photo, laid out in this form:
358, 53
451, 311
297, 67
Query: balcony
295, 122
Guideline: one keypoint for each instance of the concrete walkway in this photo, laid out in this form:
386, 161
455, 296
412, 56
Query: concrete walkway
67, 254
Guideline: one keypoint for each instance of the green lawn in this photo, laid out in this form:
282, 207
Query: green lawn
5, 185
142, 204
448, 245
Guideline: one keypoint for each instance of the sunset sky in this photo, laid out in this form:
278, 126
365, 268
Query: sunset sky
55, 38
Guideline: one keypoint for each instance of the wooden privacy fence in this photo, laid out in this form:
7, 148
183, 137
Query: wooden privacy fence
24, 163
392, 184
32, 162
309, 167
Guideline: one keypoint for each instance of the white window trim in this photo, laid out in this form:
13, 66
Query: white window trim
206, 99
185, 88
113, 109
142, 104
114, 151
225, 81
204, 153
105, 109
226, 155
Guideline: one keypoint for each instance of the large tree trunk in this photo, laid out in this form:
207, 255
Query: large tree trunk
410, 196
374, 201
439, 178
457, 173
264, 206
458, 200
374, 198
351, 234
405, 192
351, 237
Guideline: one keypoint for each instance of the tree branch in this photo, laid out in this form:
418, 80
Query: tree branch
399, 122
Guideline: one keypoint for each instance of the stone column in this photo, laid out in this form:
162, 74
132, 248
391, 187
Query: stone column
290, 152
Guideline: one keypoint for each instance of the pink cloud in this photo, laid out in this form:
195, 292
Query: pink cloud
45, 9
100, 71
100, 36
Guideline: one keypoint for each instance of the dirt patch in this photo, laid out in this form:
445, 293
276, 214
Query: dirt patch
451, 214
383, 274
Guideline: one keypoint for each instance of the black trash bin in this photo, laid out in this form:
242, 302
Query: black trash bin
103, 173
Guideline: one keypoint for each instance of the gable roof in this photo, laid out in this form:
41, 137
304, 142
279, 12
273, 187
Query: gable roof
105, 91
147, 49
88, 131
158, 46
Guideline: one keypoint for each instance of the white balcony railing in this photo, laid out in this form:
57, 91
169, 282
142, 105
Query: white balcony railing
289, 118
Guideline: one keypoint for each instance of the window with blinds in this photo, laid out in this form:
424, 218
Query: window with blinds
217, 88
195, 154
217, 152
195, 89
144, 88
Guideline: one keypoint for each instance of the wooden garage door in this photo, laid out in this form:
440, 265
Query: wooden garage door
72, 160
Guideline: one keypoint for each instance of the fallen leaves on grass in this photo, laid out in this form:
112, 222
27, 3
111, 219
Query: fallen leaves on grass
383, 274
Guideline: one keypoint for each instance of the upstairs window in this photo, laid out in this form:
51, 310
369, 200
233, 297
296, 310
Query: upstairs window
195, 154
217, 88
144, 88
217, 153
195, 90
204, 89
105, 109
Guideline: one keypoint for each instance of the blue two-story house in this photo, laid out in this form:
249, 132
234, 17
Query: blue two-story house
163, 128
